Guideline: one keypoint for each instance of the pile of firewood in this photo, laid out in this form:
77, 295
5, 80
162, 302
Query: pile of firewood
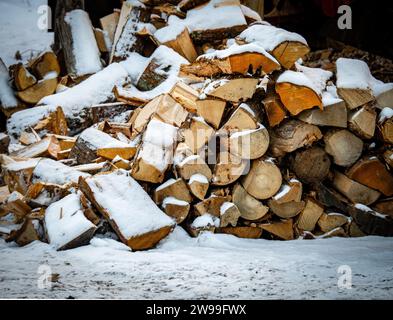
197, 114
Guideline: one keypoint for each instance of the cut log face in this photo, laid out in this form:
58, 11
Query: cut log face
287, 53
297, 98
17, 174
362, 122
311, 165
354, 230
4, 142
292, 191
343, 146
330, 221
249, 207
353, 190
211, 110
198, 134
170, 111
229, 214
249, 144
241, 119
292, 135
264, 179
35, 93
48, 146
22, 77
309, 216
176, 209
133, 215
242, 232
172, 188
387, 131
385, 207
66, 224
283, 229
385, 99
185, 95
334, 115
198, 185
275, 110
109, 24
183, 45
228, 169
45, 63
15, 204
211, 205
286, 210
372, 173
355, 98
235, 90
193, 165
43, 194
55, 123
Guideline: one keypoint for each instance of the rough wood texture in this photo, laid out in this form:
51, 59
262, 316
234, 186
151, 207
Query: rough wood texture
185, 95
249, 207
343, 146
22, 77
242, 232
211, 110
275, 110
330, 221
372, 223
309, 216
198, 188
228, 169
211, 205
372, 173
183, 45
48, 146
177, 211
35, 93
286, 210
334, 115
45, 63
229, 215
355, 98
235, 90
288, 52
386, 129
362, 122
176, 188
198, 134
282, 230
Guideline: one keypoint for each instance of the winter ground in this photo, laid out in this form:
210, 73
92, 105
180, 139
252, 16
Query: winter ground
211, 266
208, 267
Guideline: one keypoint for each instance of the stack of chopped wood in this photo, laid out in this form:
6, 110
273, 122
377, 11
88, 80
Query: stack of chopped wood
197, 114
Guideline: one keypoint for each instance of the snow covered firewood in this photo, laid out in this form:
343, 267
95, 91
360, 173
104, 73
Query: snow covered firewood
17, 174
185, 5
22, 77
198, 185
203, 223
81, 53
229, 214
30, 231
292, 135
274, 109
334, 113
311, 165
156, 152
44, 64
185, 95
66, 225
180, 42
282, 230
54, 123
50, 171
343, 146
235, 59
7, 97
211, 205
362, 122
354, 82
264, 179
245, 232
198, 134
175, 208
354, 191
49, 146
133, 19
372, 173
192, 165
42, 194
133, 215
328, 222
287, 47
169, 111
93, 143
249, 207
243, 118
172, 188
15, 203
109, 24
233, 90
211, 110
33, 94
310, 215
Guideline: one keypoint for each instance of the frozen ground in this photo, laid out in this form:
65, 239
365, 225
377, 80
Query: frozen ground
209, 267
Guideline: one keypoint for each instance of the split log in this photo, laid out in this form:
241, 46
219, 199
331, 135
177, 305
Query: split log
292, 135
109, 25
23, 79
334, 115
48, 146
55, 123
343, 146
353, 190
331, 198
386, 129
372, 173
42, 194
15, 203
176, 209
100, 39
44, 64
264, 179
198, 185
30, 231
193, 165
186, 5
355, 98
385, 99
4, 142
330, 221
185, 95
362, 122
234, 90
354, 230
388, 157
249, 207
211, 205
171, 112
384, 206
241, 119
198, 134
229, 214
282, 230
228, 169
211, 110
134, 216
66, 225
310, 215
17, 174
203, 223
81, 53
287, 202
242, 232
33, 94
274, 109
286, 210
311, 165
172, 188
9, 103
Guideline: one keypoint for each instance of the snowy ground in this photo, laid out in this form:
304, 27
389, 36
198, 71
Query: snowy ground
209, 267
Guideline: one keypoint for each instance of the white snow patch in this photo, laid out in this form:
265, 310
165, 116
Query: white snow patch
205, 220
198, 178
385, 114
225, 206
174, 201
